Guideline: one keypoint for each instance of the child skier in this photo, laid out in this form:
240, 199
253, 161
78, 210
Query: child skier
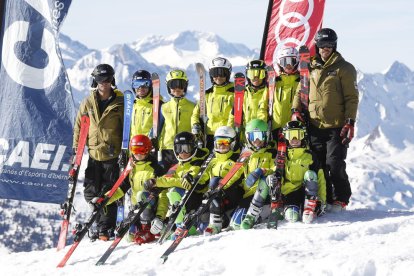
176, 115
285, 88
220, 165
145, 167
303, 185
181, 177
259, 165
218, 101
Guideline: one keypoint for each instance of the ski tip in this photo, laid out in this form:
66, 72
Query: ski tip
239, 75
99, 263
154, 76
163, 259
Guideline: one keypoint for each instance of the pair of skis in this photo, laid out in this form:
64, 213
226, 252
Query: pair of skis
82, 230
67, 206
192, 218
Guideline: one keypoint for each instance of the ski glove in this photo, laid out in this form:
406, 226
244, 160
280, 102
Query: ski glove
347, 132
150, 184
92, 204
274, 180
156, 226
122, 159
296, 115
253, 177
196, 129
187, 181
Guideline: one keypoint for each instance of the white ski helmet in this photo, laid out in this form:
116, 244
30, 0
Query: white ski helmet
220, 66
225, 132
288, 55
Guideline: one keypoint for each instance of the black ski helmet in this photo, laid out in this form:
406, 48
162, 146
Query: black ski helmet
326, 37
185, 141
256, 65
295, 129
142, 75
103, 72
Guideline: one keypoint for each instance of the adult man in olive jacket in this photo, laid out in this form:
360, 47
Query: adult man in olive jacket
105, 108
333, 103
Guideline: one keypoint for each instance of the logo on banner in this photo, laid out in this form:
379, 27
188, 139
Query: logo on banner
17, 34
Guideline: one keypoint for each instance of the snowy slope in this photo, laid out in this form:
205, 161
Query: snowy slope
379, 162
357, 242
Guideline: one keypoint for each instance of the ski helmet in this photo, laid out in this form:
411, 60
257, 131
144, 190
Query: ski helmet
256, 129
185, 142
326, 37
140, 144
226, 135
220, 67
286, 56
176, 79
141, 78
103, 73
256, 68
295, 129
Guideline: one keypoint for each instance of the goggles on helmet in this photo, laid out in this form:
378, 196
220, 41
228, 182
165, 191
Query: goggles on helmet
285, 61
254, 135
252, 73
177, 83
139, 149
325, 44
294, 134
141, 83
222, 141
180, 148
219, 72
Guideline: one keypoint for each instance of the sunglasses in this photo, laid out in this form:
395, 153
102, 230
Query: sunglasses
252, 73
104, 79
177, 84
141, 83
325, 44
219, 72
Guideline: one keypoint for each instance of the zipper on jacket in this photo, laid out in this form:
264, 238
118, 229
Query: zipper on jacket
291, 95
221, 105
280, 93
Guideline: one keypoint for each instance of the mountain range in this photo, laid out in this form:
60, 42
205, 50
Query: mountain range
379, 159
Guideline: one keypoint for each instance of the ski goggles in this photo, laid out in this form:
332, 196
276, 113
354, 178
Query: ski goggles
104, 79
294, 134
139, 149
183, 148
141, 83
219, 72
219, 141
259, 73
256, 135
177, 84
325, 44
285, 61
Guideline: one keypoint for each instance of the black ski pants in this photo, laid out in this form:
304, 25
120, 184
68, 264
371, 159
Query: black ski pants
99, 178
327, 145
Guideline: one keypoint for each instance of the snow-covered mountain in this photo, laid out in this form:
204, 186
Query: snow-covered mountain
380, 166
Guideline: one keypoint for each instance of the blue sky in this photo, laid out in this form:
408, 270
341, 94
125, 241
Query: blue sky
372, 34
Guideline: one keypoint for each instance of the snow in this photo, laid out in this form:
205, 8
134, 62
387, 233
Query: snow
354, 242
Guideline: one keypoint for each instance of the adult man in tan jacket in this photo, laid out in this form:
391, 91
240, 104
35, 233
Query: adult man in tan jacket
333, 103
105, 108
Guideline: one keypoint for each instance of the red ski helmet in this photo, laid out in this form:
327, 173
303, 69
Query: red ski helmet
140, 144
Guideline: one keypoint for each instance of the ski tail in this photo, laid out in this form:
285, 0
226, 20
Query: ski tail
67, 206
239, 87
122, 229
203, 109
271, 79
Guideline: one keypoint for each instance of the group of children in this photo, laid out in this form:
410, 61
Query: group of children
242, 198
